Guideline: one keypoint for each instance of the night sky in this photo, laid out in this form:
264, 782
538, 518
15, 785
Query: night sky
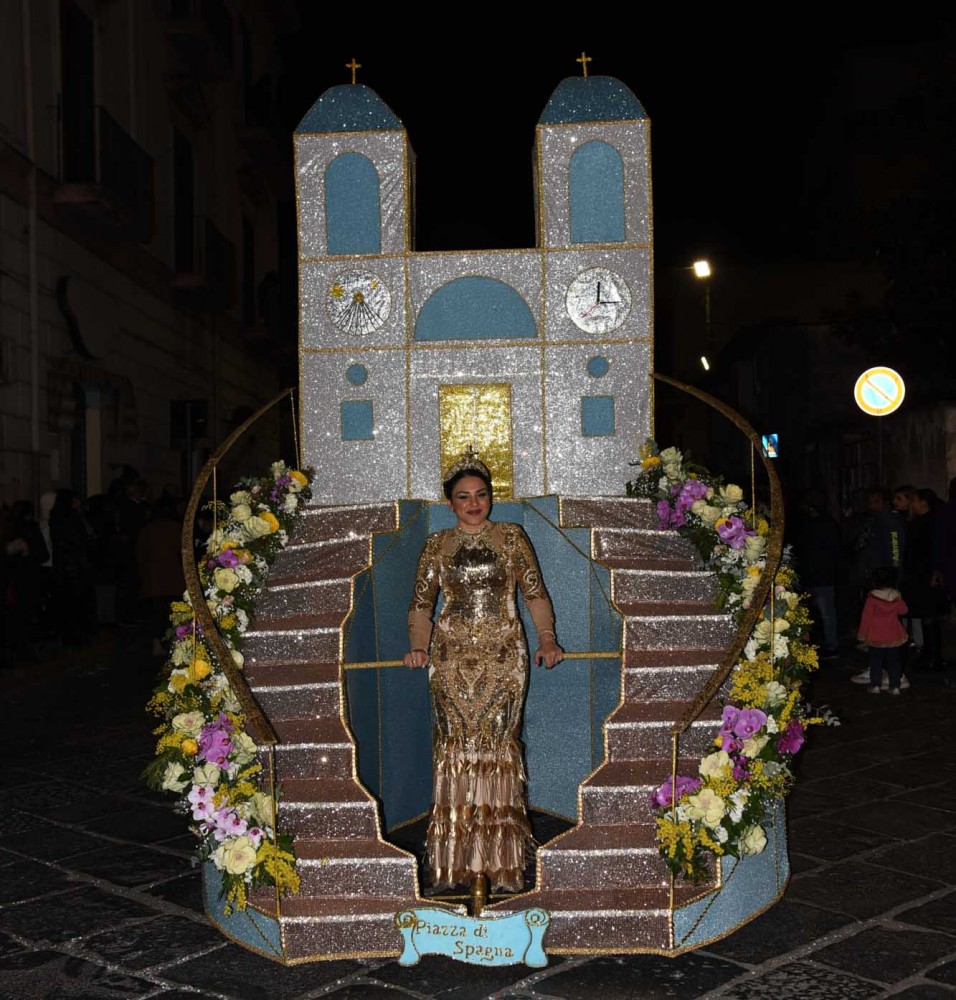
734, 106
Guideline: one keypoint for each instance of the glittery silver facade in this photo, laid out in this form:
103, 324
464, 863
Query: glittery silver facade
554, 447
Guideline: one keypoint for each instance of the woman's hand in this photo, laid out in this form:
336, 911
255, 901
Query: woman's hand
416, 659
549, 653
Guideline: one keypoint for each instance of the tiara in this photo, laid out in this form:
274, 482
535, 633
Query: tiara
469, 461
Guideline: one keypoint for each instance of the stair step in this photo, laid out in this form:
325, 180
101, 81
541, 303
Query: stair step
601, 857
619, 792
609, 512
313, 748
643, 729
335, 559
346, 868
666, 609
343, 521
666, 683
327, 809
295, 622
265, 675
679, 631
672, 657
637, 585
307, 597
283, 645
641, 543
310, 700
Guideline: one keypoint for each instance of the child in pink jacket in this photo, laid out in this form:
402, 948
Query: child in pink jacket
881, 629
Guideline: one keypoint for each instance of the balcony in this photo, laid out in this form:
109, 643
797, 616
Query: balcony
109, 197
205, 270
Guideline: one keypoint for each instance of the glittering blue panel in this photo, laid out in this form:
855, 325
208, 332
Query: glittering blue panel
348, 108
597, 194
597, 416
406, 762
749, 886
360, 629
352, 208
250, 928
475, 308
357, 420
361, 686
605, 673
559, 757
591, 99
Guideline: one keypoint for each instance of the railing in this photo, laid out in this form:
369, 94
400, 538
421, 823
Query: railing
257, 725
773, 553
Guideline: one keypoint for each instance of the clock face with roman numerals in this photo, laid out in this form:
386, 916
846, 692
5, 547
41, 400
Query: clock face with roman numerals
358, 302
598, 301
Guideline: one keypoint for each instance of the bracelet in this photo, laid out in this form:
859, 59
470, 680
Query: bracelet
418, 649
548, 631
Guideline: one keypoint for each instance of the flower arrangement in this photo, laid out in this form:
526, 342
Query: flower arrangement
203, 754
721, 810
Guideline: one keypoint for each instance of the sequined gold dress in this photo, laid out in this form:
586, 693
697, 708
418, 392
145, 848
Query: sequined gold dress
478, 675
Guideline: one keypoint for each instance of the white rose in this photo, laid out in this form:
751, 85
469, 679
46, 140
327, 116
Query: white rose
772, 727
256, 527
716, 765
709, 808
731, 493
754, 546
226, 579
707, 514
753, 745
776, 694
243, 573
278, 469
290, 504
240, 496
174, 779
242, 512
206, 776
243, 619
260, 806
182, 652
189, 723
721, 834
753, 840
244, 748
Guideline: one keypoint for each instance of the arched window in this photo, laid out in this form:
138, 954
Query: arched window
475, 308
353, 217
597, 194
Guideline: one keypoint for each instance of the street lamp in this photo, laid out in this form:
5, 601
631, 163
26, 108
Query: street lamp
703, 272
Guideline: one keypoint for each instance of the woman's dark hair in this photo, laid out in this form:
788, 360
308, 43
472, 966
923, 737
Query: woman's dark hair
883, 577
449, 486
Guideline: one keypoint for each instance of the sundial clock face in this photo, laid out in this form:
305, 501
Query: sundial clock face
598, 301
358, 302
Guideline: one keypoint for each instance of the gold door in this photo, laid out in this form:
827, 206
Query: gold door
479, 416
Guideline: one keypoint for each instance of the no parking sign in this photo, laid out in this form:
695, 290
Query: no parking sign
879, 391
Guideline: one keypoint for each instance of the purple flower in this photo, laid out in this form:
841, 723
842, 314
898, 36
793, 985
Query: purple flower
741, 771
227, 824
228, 558
692, 491
750, 721
728, 719
791, 739
728, 743
284, 480
663, 513
185, 630
664, 796
200, 798
734, 532
214, 744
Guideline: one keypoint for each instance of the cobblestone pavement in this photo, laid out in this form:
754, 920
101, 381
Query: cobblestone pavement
98, 899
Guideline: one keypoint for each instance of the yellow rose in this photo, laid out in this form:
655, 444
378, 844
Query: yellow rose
199, 668
190, 723
237, 855
716, 765
753, 746
753, 840
178, 680
299, 477
709, 808
271, 520
762, 526
190, 747
226, 579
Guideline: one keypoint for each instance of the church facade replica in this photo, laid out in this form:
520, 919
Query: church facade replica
539, 358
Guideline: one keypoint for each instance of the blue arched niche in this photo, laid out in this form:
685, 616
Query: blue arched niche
353, 216
475, 308
597, 194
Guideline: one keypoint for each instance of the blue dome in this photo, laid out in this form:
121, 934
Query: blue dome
591, 99
350, 107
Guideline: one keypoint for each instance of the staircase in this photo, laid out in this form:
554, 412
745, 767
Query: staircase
353, 881
603, 882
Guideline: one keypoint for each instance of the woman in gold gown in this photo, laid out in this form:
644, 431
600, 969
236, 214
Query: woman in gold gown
478, 675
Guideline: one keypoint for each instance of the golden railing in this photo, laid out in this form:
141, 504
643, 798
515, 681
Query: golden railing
762, 591
257, 725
